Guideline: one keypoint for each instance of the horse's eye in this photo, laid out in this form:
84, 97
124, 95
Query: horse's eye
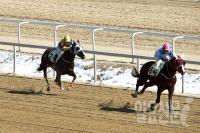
77, 48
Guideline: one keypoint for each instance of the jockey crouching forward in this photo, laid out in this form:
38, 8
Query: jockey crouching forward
64, 45
162, 55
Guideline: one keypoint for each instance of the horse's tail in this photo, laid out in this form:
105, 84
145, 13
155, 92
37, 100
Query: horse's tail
135, 72
43, 63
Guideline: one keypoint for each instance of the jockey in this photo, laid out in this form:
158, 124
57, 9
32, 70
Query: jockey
162, 55
64, 45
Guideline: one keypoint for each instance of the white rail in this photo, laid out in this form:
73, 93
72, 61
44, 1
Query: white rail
90, 52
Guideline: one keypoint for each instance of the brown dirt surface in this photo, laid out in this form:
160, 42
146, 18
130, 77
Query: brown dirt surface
25, 106
81, 109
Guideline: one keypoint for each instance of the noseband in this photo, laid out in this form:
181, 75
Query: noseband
71, 51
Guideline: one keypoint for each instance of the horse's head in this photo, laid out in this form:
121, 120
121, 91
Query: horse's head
77, 49
179, 64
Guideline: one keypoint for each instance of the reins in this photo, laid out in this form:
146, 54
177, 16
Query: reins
170, 76
67, 60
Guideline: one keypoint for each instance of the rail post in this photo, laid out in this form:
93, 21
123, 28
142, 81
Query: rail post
173, 49
133, 43
19, 31
55, 33
94, 55
14, 60
138, 64
174, 40
182, 83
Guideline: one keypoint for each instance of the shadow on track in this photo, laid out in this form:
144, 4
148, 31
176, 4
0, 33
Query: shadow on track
126, 108
30, 92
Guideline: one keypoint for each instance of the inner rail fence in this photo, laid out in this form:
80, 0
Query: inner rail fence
138, 57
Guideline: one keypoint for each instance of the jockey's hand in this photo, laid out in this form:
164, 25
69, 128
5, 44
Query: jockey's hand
168, 57
65, 48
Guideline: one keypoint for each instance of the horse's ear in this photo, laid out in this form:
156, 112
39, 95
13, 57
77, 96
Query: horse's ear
78, 41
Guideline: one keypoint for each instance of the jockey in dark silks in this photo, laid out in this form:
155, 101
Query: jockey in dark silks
63, 45
162, 55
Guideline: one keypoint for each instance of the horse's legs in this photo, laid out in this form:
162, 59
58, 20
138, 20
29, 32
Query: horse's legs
136, 91
146, 85
170, 91
71, 73
58, 79
159, 91
139, 83
45, 76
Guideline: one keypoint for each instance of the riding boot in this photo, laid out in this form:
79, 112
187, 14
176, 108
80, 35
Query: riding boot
155, 71
61, 53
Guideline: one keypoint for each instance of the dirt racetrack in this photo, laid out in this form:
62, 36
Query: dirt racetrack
24, 108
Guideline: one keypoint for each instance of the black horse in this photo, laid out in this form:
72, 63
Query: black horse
166, 79
64, 65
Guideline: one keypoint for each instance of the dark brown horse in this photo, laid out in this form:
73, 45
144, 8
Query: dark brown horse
65, 65
166, 79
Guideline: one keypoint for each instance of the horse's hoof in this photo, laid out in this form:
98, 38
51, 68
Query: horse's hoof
141, 92
170, 109
151, 108
62, 89
69, 87
134, 95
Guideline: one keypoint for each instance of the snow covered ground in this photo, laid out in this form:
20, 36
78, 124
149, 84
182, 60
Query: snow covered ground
119, 77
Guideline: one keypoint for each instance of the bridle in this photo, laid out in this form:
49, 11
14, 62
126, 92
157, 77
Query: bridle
66, 61
72, 52
170, 76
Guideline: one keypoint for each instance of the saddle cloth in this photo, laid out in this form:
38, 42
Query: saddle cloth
54, 55
153, 71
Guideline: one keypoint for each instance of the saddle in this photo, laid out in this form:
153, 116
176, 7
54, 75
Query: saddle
153, 71
53, 55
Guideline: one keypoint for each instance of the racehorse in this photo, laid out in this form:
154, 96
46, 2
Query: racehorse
64, 65
166, 79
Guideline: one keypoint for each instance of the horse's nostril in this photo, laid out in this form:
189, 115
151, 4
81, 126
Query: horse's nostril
182, 72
